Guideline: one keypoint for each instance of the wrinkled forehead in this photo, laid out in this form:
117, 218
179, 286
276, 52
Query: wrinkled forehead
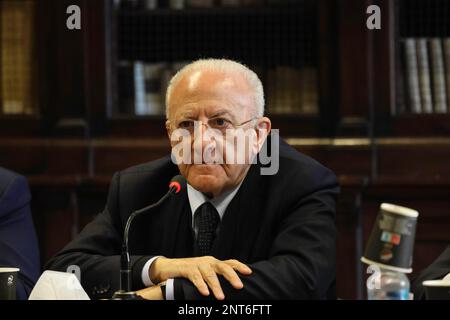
202, 80
231, 87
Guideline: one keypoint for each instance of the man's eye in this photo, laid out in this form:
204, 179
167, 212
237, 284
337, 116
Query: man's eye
186, 124
219, 122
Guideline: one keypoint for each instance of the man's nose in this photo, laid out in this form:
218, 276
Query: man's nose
203, 130
201, 138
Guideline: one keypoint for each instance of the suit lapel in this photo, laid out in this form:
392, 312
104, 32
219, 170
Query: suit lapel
237, 228
177, 238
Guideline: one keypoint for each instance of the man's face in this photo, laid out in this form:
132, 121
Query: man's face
217, 98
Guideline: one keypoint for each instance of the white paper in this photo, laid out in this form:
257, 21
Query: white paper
54, 285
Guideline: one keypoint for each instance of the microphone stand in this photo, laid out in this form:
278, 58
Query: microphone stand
125, 292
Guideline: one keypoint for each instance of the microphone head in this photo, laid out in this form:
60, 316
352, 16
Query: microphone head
177, 183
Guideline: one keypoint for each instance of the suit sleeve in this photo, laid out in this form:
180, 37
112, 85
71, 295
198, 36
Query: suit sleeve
437, 270
96, 251
18, 241
302, 257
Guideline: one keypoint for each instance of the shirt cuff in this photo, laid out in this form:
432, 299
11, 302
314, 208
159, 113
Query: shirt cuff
145, 272
170, 293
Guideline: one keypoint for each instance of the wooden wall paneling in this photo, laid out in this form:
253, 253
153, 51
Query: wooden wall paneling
68, 157
25, 156
55, 213
420, 157
114, 155
355, 67
383, 67
98, 64
349, 241
328, 55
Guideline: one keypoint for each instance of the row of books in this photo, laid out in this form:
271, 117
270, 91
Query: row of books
292, 90
142, 88
16, 52
424, 81
182, 4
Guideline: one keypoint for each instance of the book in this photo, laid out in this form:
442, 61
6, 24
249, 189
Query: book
153, 80
151, 4
140, 106
17, 72
446, 43
412, 76
437, 61
292, 90
424, 75
177, 4
309, 92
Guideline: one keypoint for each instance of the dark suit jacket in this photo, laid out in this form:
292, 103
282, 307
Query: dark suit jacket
18, 243
437, 270
282, 225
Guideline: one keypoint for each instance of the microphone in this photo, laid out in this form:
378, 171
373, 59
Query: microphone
125, 293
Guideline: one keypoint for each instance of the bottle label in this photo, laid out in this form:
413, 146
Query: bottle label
397, 295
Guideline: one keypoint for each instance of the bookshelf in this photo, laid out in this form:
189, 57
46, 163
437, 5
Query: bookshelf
422, 58
279, 40
84, 81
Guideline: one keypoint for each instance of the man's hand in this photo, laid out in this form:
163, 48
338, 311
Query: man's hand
151, 293
201, 271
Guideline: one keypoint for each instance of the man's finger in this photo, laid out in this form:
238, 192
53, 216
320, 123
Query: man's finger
239, 266
229, 274
197, 279
210, 276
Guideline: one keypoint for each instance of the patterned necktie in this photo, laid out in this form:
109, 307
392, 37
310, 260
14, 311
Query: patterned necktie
207, 219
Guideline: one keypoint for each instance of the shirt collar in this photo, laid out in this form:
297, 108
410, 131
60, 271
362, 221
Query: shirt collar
196, 199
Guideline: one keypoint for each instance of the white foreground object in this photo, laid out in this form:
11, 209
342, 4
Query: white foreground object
54, 285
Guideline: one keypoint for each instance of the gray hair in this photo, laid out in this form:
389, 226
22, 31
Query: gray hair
223, 66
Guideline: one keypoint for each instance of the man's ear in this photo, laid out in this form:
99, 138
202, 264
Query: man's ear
169, 131
263, 129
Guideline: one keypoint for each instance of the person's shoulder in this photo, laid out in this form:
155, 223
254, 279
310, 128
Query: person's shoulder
11, 181
6, 177
149, 173
299, 175
151, 167
14, 190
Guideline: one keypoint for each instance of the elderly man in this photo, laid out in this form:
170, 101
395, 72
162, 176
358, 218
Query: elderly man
233, 232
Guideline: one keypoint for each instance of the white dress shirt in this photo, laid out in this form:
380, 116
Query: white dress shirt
196, 199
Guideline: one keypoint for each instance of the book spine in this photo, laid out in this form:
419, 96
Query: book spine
424, 75
437, 60
140, 107
309, 94
153, 76
412, 75
447, 70
16, 72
